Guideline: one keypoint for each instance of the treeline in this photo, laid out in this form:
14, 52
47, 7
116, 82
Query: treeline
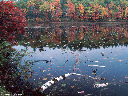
74, 10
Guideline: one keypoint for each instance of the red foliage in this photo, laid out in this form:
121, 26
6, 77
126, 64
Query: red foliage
95, 16
86, 16
75, 17
81, 17
91, 5
12, 20
117, 15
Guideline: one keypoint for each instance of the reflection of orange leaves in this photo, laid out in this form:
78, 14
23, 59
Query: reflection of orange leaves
71, 34
53, 35
71, 38
57, 40
81, 36
59, 32
126, 35
38, 19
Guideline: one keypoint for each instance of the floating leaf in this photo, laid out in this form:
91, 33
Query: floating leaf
44, 78
72, 86
63, 85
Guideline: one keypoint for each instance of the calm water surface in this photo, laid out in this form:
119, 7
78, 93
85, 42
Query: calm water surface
96, 51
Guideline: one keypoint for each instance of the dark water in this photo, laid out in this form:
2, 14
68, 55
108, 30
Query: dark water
96, 51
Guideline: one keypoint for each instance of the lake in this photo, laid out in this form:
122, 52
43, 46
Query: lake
94, 54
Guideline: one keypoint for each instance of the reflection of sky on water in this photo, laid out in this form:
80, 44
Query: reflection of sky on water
63, 61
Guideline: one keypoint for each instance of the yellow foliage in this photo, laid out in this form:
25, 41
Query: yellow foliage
24, 10
57, 1
81, 8
126, 11
104, 12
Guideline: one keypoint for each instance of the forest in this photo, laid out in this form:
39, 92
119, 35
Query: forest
74, 10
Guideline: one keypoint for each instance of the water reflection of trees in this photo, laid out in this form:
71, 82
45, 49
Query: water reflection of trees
76, 36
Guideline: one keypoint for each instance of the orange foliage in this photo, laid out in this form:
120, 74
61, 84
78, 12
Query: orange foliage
126, 12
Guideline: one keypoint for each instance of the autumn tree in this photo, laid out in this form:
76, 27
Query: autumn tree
71, 13
126, 13
12, 20
74, 10
56, 10
81, 10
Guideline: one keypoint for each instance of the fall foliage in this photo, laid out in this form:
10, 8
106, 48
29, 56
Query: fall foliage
74, 10
12, 20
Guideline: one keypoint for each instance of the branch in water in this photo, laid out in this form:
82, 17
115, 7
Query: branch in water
55, 80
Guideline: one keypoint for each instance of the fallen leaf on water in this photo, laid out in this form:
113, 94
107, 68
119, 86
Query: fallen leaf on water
44, 70
44, 78
93, 65
120, 60
94, 78
101, 66
39, 83
49, 74
81, 92
96, 61
63, 85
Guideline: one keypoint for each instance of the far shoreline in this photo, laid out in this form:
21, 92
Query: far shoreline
79, 22
72, 22
91, 22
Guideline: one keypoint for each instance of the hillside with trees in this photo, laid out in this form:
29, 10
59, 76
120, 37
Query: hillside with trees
74, 10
